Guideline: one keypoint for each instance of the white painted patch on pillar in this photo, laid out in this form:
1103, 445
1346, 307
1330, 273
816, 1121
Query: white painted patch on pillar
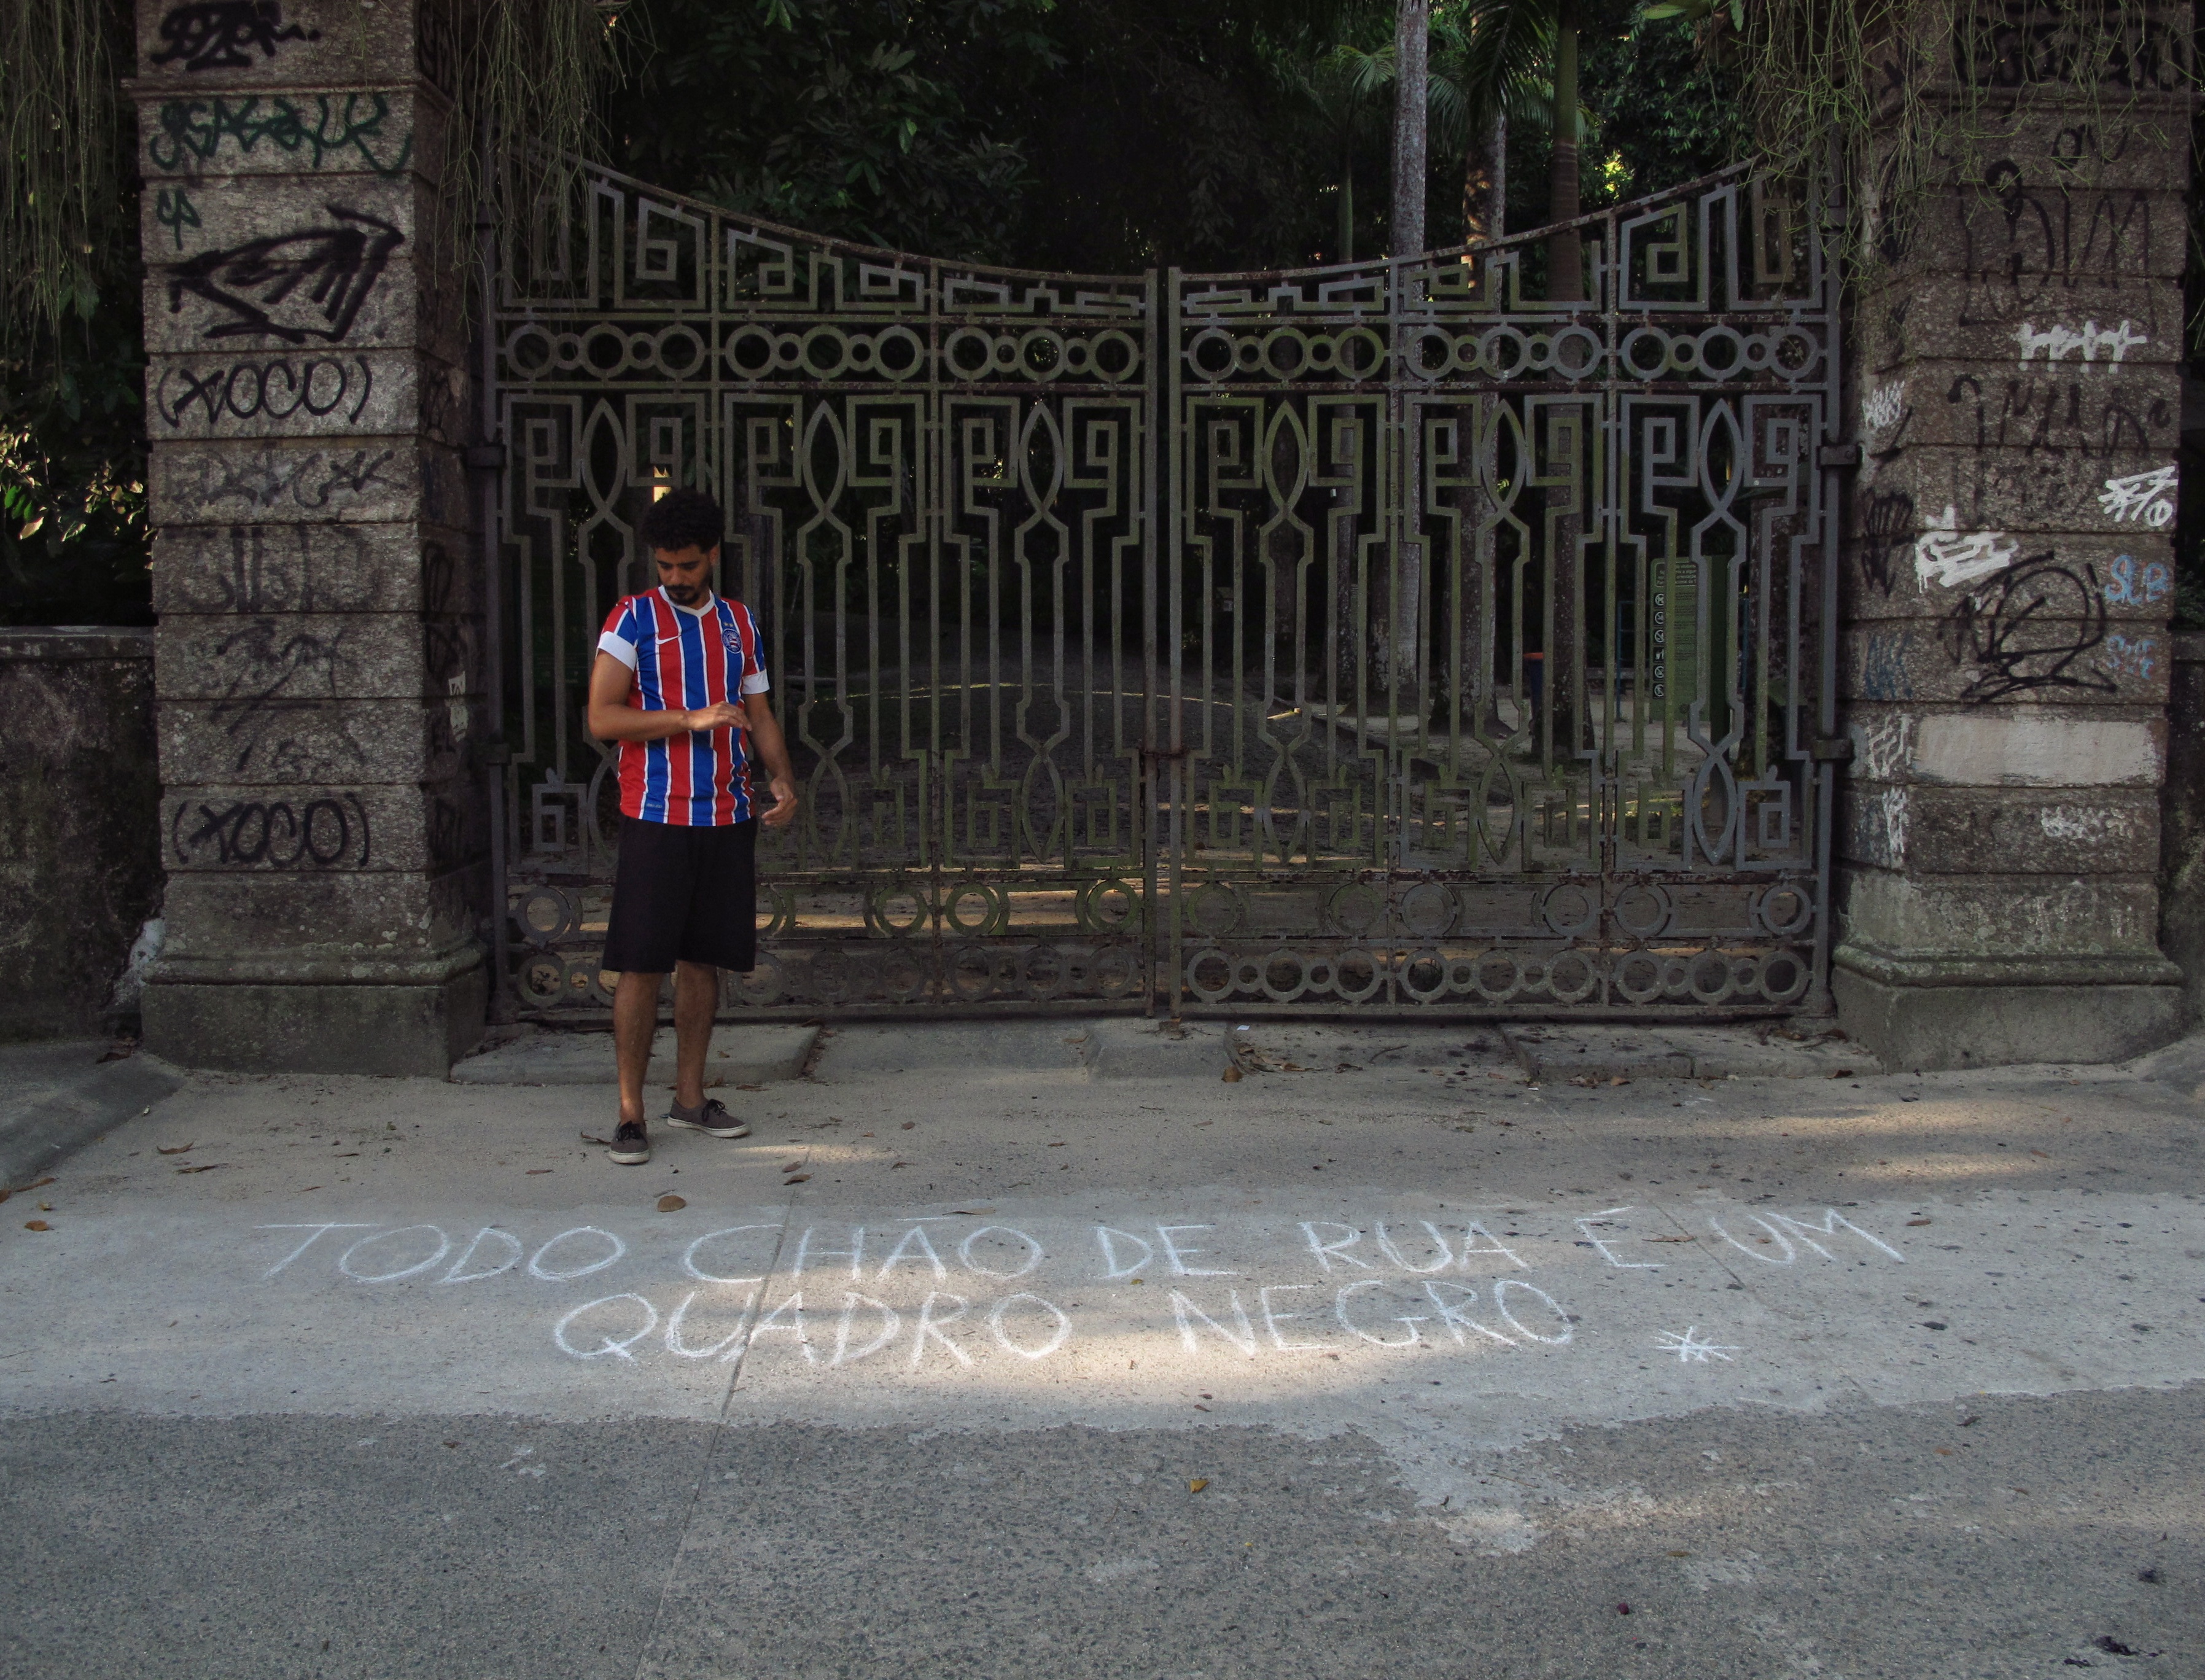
2015, 749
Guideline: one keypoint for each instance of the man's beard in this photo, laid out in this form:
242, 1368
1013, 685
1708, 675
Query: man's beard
687, 594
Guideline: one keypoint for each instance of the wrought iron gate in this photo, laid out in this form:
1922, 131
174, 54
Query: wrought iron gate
1380, 637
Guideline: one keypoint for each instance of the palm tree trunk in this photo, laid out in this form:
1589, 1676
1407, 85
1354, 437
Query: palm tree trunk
1347, 253
1412, 95
1485, 182
1564, 253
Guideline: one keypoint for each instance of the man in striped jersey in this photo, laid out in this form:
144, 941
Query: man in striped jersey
679, 682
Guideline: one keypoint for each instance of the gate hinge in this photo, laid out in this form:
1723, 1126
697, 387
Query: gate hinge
1838, 454
1834, 750
488, 457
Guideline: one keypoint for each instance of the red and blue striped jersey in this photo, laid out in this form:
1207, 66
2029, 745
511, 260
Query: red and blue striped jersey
684, 661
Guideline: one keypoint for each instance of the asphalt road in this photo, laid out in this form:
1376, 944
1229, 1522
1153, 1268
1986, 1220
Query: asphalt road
989, 1355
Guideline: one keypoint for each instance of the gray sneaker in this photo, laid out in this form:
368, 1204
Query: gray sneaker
631, 1145
710, 1117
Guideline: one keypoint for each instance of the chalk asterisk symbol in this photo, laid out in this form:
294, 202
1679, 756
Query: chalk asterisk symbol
1690, 1350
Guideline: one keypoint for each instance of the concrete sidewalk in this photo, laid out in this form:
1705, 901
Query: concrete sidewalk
1045, 1348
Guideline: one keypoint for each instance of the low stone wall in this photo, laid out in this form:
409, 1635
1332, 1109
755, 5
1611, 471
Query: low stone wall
79, 839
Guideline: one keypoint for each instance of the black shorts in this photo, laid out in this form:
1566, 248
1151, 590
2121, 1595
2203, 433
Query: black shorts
684, 892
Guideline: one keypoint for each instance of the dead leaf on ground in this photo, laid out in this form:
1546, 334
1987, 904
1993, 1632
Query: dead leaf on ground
750, 1088
173, 1149
2039, 1154
1200, 1481
895, 1164
1619, 1080
1233, 1075
792, 1167
1917, 1221
971, 1210
671, 1204
907, 1125
1672, 1239
204, 1166
1058, 1146
533, 1171
36, 1225
800, 1178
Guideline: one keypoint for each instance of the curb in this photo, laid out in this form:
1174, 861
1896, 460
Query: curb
37, 1136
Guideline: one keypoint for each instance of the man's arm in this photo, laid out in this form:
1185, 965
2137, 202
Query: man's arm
773, 748
611, 718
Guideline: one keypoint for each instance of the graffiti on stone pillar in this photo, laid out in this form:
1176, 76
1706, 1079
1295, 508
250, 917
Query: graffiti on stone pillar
2065, 414
276, 389
316, 479
224, 34
328, 832
2088, 343
174, 209
1886, 525
2029, 631
2129, 585
305, 284
189, 132
2143, 498
1884, 417
2029, 247
1944, 555
270, 679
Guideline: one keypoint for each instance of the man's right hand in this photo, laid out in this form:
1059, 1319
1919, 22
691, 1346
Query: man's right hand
715, 717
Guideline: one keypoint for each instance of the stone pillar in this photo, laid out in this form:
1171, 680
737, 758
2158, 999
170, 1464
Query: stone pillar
314, 571
2009, 568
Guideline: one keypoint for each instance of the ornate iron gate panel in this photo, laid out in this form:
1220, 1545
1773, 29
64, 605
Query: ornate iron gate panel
1379, 636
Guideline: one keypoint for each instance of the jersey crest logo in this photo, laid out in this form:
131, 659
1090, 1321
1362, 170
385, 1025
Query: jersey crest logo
731, 639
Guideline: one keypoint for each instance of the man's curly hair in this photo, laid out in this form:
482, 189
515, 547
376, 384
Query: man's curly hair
681, 518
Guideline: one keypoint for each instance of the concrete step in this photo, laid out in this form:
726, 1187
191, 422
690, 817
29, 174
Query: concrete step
743, 1055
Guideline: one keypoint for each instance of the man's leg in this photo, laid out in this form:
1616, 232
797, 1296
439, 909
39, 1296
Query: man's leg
635, 1022
696, 1000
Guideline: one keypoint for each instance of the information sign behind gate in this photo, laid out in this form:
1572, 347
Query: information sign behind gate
1371, 637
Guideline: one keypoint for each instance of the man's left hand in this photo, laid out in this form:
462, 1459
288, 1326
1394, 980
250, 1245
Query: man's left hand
784, 804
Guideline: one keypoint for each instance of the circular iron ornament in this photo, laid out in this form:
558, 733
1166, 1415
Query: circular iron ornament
1497, 977
1358, 352
971, 971
1042, 970
764, 984
969, 352
1354, 907
835, 976
1571, 976
1709, 976
588, 981
1569, 909
542, 978
1116, 355
1644, 353
774, 922
685, 365
1792, 986
1422, 976
1286, 352
544, 913
1114, 971
1502, 351
1785, 910
903, 973
896, 908
1638, 977
1216, 908
1428, 909
1320, 974
1107, 906
1462, 975
1576, 353
1213, 963
1642, 910
1433, 353
529, 352
1358, 975
1296, 982
1676, 977
989, 897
